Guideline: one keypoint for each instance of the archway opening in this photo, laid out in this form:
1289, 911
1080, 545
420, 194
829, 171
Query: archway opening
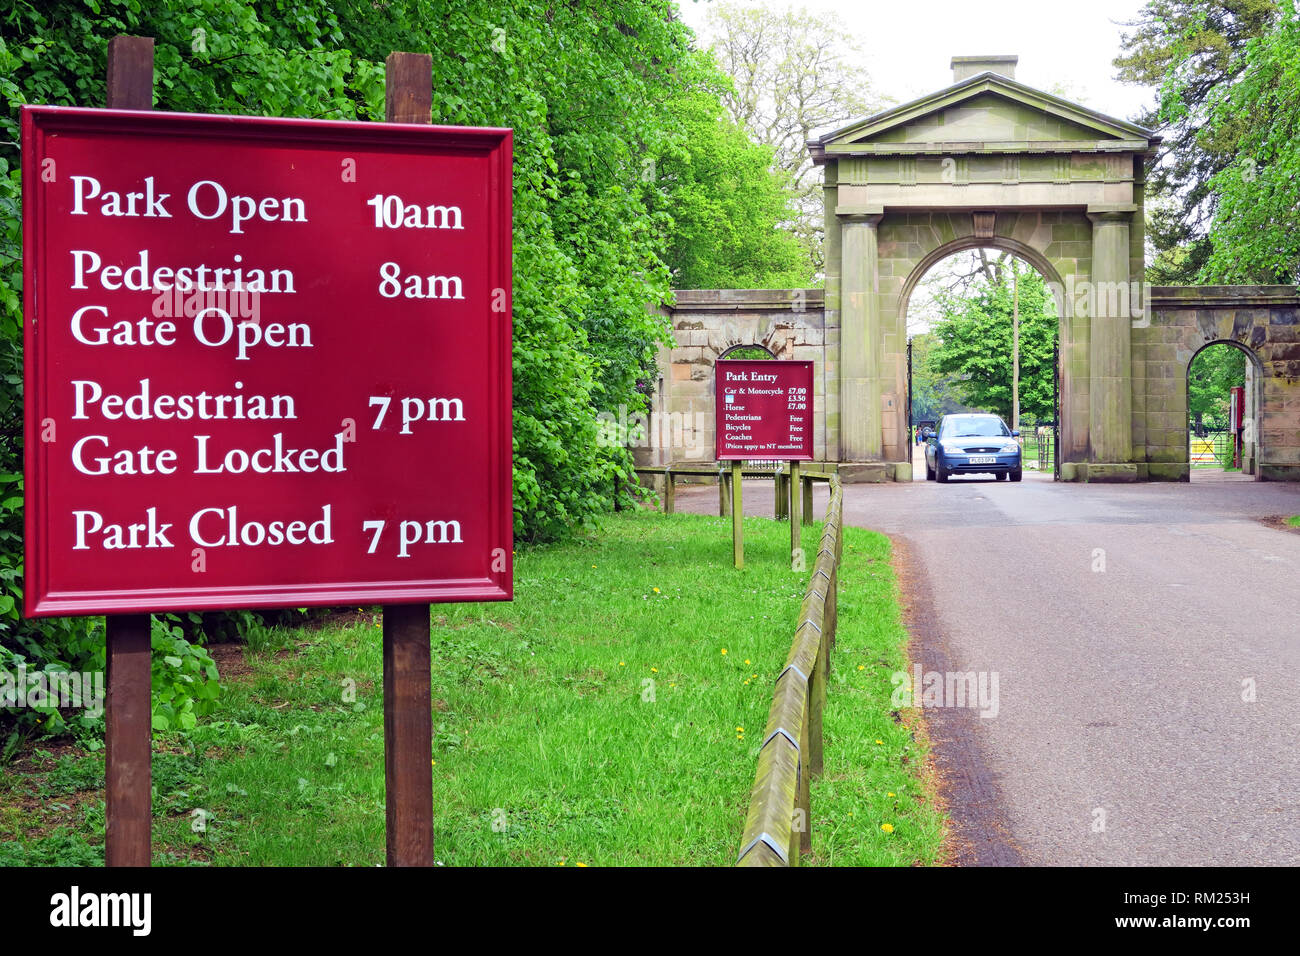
1223, 413
750, 352
983, 327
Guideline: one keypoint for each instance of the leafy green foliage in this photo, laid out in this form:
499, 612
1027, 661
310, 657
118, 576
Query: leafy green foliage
185, 685
1255, 232
975, 341
933, 395
728, 205
1189, 50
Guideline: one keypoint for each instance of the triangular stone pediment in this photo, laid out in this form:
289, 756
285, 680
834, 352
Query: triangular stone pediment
986, 113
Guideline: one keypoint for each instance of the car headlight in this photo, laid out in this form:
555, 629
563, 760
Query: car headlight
1010, 447
953, 449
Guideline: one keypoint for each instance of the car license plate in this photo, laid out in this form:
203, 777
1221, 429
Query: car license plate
982, 459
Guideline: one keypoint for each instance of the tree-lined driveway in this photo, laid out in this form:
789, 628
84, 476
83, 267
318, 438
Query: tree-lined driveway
1146, 642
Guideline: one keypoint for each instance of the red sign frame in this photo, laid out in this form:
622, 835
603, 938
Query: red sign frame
416, 470
772, 420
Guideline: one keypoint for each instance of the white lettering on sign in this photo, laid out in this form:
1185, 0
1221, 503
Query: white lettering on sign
113, 203
223, 528
392, 212
201, 278
208, 200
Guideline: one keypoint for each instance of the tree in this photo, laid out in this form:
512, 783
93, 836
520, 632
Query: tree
1255, 231
933, 395
1188, 49
728, 202
974, 343
793, 73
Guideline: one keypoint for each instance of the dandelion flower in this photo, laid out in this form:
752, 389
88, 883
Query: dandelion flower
862, 667
880, 741
724, 651
624, 664
654, 670
889, 794
656, 590
887, 827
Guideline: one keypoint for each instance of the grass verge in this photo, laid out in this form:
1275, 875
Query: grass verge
610, 715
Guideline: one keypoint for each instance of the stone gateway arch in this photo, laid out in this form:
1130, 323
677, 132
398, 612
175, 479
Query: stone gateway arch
990, 162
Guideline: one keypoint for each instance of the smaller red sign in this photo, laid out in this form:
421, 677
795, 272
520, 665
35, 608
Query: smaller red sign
764, 410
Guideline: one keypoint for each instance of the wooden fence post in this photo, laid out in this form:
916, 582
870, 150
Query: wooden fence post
737, 514
408, 704
796, 519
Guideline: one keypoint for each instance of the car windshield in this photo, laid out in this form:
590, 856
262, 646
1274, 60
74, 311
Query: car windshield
989, 427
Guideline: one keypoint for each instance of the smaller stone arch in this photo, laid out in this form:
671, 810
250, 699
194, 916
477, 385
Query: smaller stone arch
1263, 322
727, 353
1253, 440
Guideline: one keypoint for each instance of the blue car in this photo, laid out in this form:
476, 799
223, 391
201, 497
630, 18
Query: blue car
972, 444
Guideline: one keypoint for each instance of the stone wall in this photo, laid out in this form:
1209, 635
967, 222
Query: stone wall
1265, 322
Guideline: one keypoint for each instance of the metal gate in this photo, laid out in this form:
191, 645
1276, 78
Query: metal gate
1056, 412
911, 439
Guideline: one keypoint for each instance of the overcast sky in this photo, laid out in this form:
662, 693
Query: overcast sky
910, 44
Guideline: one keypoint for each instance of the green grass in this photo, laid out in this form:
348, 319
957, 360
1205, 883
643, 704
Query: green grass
591, 721
1294, 521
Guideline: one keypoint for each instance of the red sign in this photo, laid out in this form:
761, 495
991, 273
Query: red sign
764, 410
267, 362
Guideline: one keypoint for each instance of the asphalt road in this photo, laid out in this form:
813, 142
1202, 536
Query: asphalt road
1126, 624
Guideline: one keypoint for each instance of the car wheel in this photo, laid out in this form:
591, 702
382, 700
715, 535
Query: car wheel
1015, 475
929, 472
1002, 476
940, 473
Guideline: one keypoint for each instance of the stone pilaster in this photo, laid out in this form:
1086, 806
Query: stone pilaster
1110, 394
860, 339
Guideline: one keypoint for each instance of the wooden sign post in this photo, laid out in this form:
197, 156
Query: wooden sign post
258, 341
408, 702
737, 513
128, 718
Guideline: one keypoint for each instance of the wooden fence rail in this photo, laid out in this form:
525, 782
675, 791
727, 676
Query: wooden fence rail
809, 472
778, 827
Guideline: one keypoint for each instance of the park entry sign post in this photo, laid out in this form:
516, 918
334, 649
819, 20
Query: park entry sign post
267, 365
763, 409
